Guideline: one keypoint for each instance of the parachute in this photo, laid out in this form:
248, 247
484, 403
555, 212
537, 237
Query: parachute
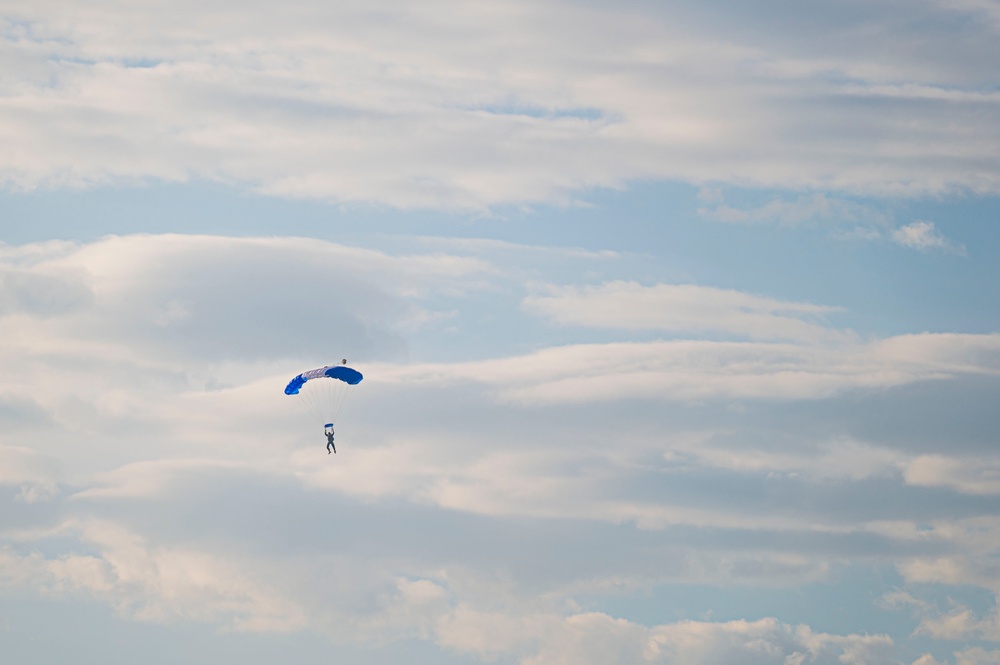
324, 391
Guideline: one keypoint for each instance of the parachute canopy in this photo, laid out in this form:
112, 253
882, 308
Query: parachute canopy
342, 372
324, 391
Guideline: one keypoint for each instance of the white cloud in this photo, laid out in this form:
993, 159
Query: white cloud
147, 478
598, 639
164, 584
972, 562
988, 9
923, 236
40, 293
156, 584
854, 220
493, 246
959, 624
457, 106
37, 476
245, 297
967, 475
811, 208
700, 370
841, 459
926, 659
587, 480
955, 622
684, 308
977, 655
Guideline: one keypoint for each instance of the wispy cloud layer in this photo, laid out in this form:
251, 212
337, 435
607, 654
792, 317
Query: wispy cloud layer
447, 105
597, 638
925, 237
694, 370
850, 219
686, 308
974, 476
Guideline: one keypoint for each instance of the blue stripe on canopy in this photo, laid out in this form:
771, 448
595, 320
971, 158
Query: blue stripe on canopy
345, 374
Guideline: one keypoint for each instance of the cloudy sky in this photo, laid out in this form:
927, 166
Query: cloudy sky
678, 320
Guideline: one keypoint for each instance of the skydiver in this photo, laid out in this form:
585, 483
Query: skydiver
329, 440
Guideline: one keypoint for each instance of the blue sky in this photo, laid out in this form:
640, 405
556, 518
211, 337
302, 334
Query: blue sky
678, 324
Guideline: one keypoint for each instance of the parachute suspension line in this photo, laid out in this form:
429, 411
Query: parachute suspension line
344, 397
321, 398
324, 391
308, 399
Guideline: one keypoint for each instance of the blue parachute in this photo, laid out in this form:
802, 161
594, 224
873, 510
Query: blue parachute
324, 391
342, 372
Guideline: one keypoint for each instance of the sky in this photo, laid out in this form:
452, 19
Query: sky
678, 321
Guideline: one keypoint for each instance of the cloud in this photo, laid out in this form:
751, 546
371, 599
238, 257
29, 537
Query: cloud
491, 246
36, 476
162, 584
855, 220
155, 584
971, 476
977, 656
201, 296
435, 106
594, 638
148, 478
23, 291
813, 208
955, 622
833, 460
699, 370
971, 562
685, 308
926, 659
923, 236
979, 8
